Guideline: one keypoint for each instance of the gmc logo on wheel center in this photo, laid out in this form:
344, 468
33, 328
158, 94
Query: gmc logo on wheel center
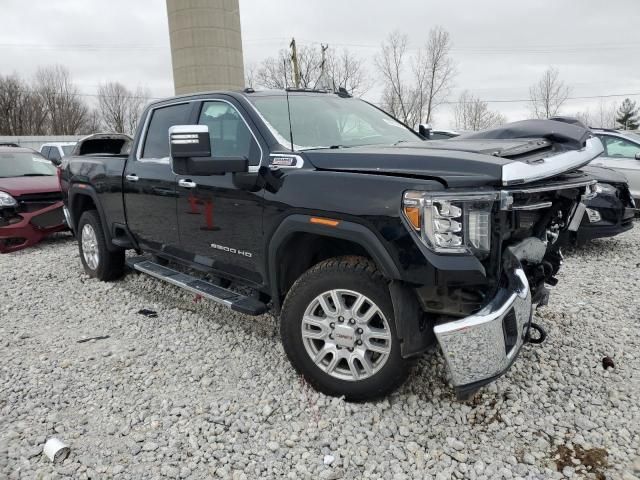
235, 251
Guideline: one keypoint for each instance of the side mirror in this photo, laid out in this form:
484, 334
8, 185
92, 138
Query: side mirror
638, 156
190, 148
56, 161
424, 129
189, 141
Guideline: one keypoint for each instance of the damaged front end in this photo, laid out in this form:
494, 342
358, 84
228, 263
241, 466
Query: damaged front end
528, 228
34, 217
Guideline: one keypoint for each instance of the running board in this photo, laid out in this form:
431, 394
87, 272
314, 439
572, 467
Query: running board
235, 301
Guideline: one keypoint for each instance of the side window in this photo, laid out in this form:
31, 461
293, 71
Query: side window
156, 142
620, 148
229, 135
45, 152
54, 154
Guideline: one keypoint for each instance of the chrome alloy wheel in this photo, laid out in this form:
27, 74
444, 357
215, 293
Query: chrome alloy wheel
90, 246
346, 335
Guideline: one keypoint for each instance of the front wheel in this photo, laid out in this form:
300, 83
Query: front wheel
98, 261
338, 330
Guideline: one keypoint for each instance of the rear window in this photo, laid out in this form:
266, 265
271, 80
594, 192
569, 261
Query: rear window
67, 149
25, 164
156, 143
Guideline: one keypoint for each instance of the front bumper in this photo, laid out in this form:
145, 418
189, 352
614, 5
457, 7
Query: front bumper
31, 228
481, 347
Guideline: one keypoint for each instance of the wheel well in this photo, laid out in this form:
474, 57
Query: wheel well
81, 203
301, 251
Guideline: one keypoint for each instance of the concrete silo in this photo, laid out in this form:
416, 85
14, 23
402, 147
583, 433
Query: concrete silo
206, 45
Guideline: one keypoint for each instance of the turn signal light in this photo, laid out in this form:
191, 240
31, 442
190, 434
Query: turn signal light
327, 222
413, 215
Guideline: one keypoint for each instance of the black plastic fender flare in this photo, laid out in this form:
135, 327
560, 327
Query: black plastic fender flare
345, 230
83, 189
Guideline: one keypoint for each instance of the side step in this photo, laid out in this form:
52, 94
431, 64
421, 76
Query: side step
235, 301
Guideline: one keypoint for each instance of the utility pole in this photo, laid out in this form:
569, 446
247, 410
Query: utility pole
323, 78
294, 62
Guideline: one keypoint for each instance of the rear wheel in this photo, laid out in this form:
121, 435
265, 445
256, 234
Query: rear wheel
338, 330
98, 261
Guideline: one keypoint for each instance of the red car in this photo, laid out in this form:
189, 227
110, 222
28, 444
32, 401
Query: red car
30, 199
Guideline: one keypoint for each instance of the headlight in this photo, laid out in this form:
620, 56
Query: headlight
7, 200
451, 223
605, 188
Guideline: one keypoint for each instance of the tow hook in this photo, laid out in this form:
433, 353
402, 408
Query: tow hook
540, 337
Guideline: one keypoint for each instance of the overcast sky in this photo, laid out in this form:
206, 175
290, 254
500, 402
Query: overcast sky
500, 47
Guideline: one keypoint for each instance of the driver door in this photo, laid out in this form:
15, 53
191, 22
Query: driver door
220, 224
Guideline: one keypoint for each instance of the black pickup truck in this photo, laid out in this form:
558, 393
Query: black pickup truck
371, 244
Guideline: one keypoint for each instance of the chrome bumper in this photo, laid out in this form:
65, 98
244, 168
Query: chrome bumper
481, 347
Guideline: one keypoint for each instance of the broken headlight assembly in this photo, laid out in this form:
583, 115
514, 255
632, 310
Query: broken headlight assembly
7, 200
452, 223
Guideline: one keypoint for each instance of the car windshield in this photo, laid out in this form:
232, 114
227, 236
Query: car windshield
25, 164
329, 121
67, 149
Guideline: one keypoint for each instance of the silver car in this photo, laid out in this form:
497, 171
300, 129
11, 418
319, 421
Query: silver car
621, 153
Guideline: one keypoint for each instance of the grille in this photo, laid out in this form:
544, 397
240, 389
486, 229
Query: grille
49, 219
49, 197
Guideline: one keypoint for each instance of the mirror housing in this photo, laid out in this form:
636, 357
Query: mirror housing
424, 130
190, 148
189, 141
56, 161
638, 156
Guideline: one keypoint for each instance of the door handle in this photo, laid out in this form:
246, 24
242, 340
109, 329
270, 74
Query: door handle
132, 177
185, 183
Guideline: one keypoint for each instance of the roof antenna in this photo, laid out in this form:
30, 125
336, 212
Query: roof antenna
286, 90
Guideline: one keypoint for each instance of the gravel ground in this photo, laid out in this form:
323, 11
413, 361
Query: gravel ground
202, 392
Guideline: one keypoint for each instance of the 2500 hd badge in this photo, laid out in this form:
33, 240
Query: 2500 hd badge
231, 250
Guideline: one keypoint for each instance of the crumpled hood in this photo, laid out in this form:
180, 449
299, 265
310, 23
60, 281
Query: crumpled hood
16, 186
515, 154
605, 175
455, 167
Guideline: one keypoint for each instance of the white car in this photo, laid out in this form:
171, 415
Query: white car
54, 151
621, 153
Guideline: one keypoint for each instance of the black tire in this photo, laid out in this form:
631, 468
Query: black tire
359, 275
110, 264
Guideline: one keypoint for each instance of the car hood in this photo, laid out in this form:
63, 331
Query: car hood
465, 162
605, 175
455, 168
16, 186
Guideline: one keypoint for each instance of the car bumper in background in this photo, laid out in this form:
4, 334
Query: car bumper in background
481, 347
28, 228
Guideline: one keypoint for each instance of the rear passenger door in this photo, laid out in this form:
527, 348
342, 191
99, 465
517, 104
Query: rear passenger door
150, 185
221, 224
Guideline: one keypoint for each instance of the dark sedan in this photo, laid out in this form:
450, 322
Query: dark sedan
612, 211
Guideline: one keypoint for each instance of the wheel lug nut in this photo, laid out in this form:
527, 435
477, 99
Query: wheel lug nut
332, 325
351, 349
341, 319
331, 336
359, 331
358, 342
352, 321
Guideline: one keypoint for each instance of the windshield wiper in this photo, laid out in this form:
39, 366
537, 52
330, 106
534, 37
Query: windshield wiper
37, 175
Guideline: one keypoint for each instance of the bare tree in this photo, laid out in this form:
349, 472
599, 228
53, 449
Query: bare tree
605, 115
250, 71
61, 97
548, 94
22, 111
341, 69
415, 85
471, 113
93, 123
119, 108
439, 68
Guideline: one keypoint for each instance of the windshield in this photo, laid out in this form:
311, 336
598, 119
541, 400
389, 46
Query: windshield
25, 164
329, 121
67, 149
